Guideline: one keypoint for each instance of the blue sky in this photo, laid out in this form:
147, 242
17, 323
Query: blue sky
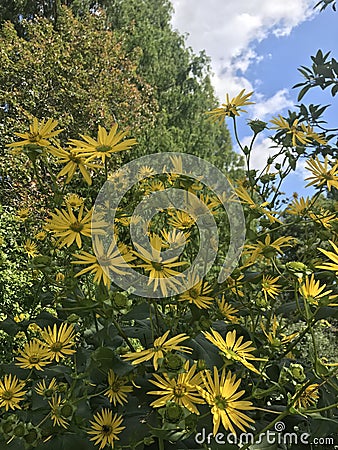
258, 45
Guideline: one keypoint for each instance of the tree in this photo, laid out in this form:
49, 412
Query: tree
180, 80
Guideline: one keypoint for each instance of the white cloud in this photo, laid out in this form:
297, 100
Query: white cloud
228, 30
264, 106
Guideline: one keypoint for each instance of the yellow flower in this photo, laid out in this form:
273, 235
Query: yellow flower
73, 162
33, 356
197, 294
221, 394
40, 236
160, 270
298, 135
104, 146
160, 347
21, 317
38, 134
231, 108
11, 392
181, 390
299, 206
154, 186
234, 285
308, 397
313, 292
267, 249
59, 341
259, 209
56, 405
333, 256
272, 337
23, 214
30, 248
111, 260
126, 221
227, 310
181, 220
69, 228
234, 350
312, 135
46, 391
145, 172
105, 428
322, 174
118, 389
269, 286
59, 277
175, 238
74, 201
324, 218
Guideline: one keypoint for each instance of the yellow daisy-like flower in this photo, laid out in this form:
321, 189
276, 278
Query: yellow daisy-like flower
42, 389
308, 397
160, 347
69, 227
267, 249
23, 214
298, 135
33, 356
232, 349
118, 388
198, 293
154, 186
74, 201
11, 392
231, 108
220, 392
175, 238
56, 405
126, 221
73, 162
322, 173
333, 256
145, 172
115, 259
30, 248
40, 236
181, 220
269, 286
105, 145
312, 291
308, 130
325, 218
59, 341
259, 209
227, 310
299, 206
160, 270
38, 134
105, 428
181, 390
272, 336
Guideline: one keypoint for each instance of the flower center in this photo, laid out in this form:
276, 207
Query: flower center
76, 226
34, 137
221, 402
157, 266
106, 429
179, 390
194, 293
34, 359
7, 395
103, 148
56, 347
